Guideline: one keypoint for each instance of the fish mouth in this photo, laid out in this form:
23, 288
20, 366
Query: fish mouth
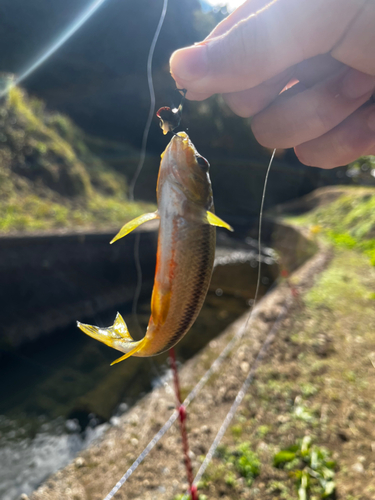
181, 144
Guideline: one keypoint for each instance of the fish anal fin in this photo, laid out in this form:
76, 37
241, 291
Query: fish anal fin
133, 224
160, 303
214, 220
130, 353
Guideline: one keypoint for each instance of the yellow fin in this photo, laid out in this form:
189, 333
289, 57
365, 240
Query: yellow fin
214, 220
116, 336
128, 354
111, 335
133, 224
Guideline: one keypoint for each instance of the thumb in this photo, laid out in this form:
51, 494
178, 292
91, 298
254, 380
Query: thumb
263, 44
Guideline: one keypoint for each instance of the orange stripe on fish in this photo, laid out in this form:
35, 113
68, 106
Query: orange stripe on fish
185, 254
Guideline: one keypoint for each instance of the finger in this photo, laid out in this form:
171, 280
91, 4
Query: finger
357, 47
345, 143
242, 12
312, 112
249, 102
263, 45
316, 69
196, 96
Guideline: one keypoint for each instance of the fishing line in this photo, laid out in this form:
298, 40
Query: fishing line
260, 234
141, 162
86, 14
152, 101
269, 339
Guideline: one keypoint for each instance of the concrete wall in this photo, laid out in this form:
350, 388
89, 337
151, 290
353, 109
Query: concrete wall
47, 282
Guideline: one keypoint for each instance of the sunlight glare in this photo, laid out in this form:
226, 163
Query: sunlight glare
55, 45
229, 4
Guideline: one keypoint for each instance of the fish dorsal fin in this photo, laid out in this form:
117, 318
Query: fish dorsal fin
214, 220
133, 224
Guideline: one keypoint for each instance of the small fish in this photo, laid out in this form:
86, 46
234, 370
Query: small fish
185, 253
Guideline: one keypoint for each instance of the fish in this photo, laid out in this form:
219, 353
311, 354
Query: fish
185, 253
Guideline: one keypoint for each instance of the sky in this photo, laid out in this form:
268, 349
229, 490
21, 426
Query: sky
230, 4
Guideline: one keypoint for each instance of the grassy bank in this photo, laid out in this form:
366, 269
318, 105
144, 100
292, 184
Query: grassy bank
49, 179
307, 427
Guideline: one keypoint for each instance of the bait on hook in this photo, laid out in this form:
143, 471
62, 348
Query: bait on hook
170, 119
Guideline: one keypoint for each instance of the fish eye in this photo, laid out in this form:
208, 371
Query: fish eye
202, 162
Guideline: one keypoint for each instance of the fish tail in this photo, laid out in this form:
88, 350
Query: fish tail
116, 336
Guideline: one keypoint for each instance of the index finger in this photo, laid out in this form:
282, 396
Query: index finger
264, 44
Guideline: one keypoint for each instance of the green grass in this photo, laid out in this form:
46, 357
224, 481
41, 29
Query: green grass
32, 213
348, 222
49, 179
311, 467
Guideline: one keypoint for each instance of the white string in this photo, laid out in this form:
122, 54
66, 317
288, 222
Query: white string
240, 395
261, 353
152, 103
168, 424
86, 14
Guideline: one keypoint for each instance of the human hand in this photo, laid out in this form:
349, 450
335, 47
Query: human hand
328, 46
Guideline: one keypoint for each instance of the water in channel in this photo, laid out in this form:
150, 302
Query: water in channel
59, 393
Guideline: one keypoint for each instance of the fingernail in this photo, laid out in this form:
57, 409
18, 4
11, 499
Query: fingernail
189, 64
371, 120
356, 84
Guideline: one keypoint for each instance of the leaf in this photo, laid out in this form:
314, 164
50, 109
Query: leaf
329, 489
283, 457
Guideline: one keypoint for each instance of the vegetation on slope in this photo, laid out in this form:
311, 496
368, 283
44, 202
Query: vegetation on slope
347, 222
49, 178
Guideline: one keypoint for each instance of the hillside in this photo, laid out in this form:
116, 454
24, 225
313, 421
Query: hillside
49, 179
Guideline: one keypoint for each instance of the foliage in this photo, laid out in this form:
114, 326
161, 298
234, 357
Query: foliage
49, 178
362, 171
310, 466
349, 222
245, 461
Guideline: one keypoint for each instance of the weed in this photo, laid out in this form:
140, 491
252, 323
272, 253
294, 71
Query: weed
308, 389
236, 430
310, 466
247, 462
230, 479
263, 430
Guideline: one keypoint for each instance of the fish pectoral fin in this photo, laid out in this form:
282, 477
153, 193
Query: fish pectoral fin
214, 220
133, 224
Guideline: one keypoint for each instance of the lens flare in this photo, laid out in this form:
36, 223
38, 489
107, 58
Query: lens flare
85, 15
